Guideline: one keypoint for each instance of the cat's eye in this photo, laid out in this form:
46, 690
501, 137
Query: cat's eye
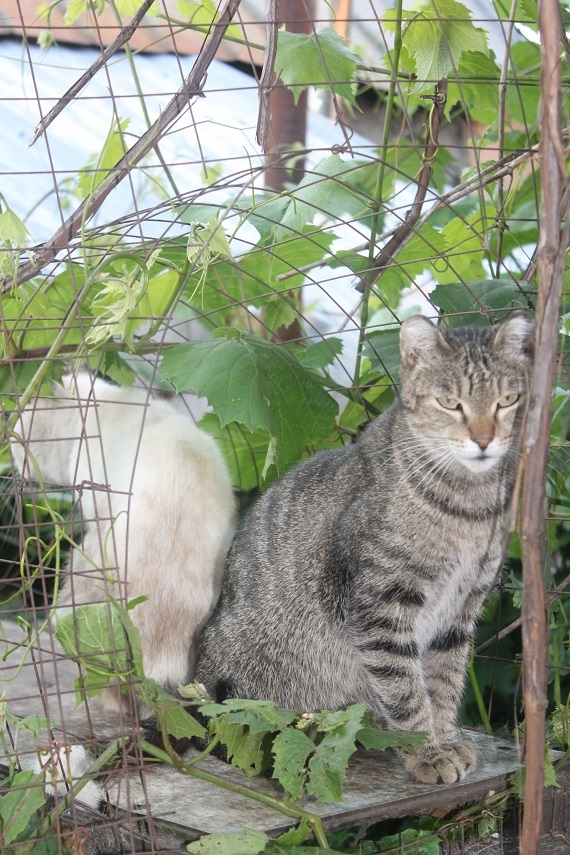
449, 403
508, 400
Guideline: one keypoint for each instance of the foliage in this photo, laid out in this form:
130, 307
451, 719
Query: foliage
238, 263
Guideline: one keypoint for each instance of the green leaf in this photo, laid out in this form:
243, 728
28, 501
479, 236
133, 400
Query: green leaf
203, 14
348, 258
280, 311
114, 366
248, 751
259, 716
411, 842
463, 249
99, 166
73, 11
197, 213
476, 87
322, 60
372, 737
180, 724
319, 355
12, 229
207, 242
525, 59
93, 635
46, 39
312, 195
258, 384
127, 7
275, 848
155, 303
241, 843
291, 750
255, 277
437, 37
292, 840
480, 301
244, 452
327, 766
33, 723
518, 779
419, 253
18, 806
382, 348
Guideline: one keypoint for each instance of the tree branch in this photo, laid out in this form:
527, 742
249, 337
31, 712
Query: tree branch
123, 37
191, 88
406, 230
266, 81
552, 247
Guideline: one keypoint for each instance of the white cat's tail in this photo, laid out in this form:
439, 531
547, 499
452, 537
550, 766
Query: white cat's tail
64, 767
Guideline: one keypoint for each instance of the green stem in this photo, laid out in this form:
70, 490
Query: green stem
284, 807
176, 295
479, 697
378, 194
140, 93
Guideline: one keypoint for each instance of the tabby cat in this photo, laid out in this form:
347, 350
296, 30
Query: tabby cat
359, 576
157, 504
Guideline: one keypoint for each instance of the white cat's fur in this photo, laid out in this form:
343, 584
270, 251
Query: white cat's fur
158, 504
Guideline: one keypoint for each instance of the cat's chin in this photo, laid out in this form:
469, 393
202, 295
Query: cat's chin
479, 465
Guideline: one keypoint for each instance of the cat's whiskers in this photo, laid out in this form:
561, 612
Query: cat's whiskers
430, 457
440, 467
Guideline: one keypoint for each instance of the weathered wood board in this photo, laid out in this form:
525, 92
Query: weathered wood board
376, 786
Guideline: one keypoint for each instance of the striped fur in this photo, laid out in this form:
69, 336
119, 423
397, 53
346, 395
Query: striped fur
359, 576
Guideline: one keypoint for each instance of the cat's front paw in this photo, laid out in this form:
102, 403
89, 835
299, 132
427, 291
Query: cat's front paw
442, 764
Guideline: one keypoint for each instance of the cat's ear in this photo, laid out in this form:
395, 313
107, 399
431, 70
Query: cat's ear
515, 336
420, 340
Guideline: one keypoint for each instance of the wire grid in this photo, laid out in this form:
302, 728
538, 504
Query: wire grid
207, 164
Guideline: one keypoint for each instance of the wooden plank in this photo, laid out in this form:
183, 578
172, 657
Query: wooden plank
376, 787
376, 784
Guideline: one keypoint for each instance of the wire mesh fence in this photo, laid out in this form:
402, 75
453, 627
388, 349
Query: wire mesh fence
206, 258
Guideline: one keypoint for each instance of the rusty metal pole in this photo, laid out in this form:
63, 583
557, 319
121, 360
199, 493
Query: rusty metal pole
287, 130
288, 120
552, 248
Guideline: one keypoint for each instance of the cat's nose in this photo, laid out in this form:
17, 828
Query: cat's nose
482, 441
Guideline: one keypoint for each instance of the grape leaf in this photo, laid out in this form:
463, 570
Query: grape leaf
463, 253
425, 246
313, 194
247, 842
259, 716
181, 724
258, 384
248, 751
436, 37
291, 750
12, 229
93, 635
464, 303
244, 452
373, 737
201, 14
382, 348
18, 806
321, 60
114, 366
280, 311
476, 87
319, 355
327, 766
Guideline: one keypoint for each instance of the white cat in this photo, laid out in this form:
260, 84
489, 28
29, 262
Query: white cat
158, 505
